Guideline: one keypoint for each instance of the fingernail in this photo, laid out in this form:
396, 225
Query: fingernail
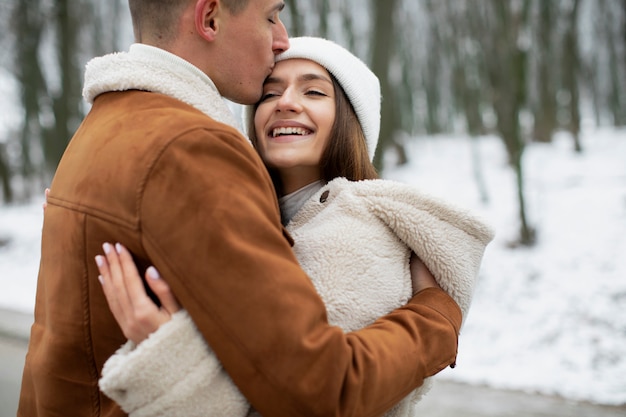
107, 248
153, 273
99, 260
118, 248
101, 279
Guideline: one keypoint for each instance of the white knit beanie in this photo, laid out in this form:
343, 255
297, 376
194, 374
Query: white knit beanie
358, 82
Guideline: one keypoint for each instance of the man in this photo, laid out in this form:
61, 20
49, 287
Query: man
188, 194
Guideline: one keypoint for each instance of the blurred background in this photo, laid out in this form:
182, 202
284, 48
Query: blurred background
515, 108
520, 69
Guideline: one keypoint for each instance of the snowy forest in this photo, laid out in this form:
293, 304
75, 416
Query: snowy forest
518, 69
515, 109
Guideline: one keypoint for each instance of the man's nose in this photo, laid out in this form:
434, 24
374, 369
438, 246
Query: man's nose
281, 39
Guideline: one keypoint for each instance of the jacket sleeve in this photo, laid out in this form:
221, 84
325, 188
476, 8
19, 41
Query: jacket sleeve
210, 223
172, 373
449, 239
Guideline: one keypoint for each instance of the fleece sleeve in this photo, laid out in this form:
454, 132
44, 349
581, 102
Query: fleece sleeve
449, 239
172, 373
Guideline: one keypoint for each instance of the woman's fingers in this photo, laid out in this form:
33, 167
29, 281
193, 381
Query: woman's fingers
135, 312
45, 203
162, 291
133, 284
112, 282
118, 291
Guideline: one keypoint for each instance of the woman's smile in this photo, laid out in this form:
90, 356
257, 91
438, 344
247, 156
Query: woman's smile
289, 131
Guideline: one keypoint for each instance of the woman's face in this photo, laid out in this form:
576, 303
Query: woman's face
294, 119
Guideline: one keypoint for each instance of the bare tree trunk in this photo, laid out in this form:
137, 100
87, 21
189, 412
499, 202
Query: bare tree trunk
348, 25
592, 81
28, 24
297, 27
545, 110
623, 13
622, 121
433, 73
324, 9
617, 97
5, 175
507, 73
103, 18
66, 102
571, 71
383, 40
466, 83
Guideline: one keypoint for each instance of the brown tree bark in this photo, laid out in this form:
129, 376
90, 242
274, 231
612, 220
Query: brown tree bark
545, 111
28, 23
384, 40
506, 66
571, 72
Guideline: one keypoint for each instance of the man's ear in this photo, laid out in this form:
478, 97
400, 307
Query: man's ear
207, 16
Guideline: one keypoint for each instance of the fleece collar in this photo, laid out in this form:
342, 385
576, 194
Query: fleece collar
152, 69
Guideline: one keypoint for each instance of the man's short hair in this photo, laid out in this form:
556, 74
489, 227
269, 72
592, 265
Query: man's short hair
235, 6
157, 19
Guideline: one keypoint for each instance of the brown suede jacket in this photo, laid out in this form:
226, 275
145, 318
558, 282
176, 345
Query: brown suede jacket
191, 196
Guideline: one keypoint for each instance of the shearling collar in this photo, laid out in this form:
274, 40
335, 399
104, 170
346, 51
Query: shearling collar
152, 69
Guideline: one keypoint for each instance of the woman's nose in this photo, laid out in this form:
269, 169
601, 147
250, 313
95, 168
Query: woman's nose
289, 101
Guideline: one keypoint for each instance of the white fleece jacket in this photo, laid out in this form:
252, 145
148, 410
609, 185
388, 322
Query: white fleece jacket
354, 239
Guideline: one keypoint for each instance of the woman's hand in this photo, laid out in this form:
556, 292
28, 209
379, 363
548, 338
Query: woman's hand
420, 275
135, 312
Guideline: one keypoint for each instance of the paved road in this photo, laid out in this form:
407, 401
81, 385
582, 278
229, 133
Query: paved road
446, 399
14, 329
12, 352
449, 399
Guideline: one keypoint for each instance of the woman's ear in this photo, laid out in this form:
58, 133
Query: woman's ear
207, 16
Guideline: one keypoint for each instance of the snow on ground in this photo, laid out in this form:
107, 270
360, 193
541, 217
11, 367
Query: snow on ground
551, 318
20, 234
548, 319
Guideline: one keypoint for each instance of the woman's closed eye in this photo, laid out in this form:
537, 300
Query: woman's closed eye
267, 96
316, 93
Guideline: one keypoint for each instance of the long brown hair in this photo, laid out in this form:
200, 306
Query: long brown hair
346, 150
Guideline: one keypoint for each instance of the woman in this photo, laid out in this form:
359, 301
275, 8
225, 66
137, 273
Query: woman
316, 128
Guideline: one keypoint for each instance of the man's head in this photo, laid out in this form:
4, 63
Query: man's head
233, 41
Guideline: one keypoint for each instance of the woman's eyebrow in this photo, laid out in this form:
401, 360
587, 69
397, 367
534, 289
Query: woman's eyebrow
313, 77
303, 77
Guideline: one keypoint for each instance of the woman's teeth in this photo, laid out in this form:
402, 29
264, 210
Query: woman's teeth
280, 131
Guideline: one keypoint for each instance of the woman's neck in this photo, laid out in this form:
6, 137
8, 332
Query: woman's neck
297, 178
